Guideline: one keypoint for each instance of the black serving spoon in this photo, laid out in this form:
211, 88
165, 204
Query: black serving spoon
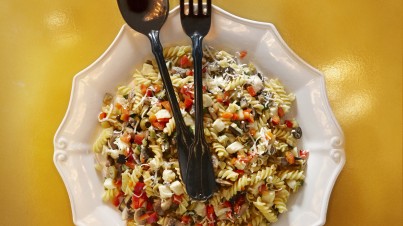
147, 17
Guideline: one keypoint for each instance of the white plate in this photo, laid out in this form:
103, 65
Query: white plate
322, 135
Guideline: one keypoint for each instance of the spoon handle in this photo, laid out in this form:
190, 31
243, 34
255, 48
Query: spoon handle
184, 136
157, 50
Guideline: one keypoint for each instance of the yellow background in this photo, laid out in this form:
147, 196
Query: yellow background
356, 44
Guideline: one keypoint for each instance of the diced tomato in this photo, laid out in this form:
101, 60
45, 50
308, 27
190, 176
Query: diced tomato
248, 116
275, 120
189, 73
204, 70
118, 106
242, 54
130, 164
204, 88
163, 120
226, 204
166, 105
185, 62
280, 112
177, 199
116, 200
158, 125
187, 91
227, 115
152, 118
288, 123
290, 157
223, 97
239, 171
251, 90
126, 138
102, 115
143, 88
125, 115
138, 202
235, 117
138, 188
185, 219
138, 138
210, 212
238, 203
153, 217
118, 183
188, 102
157, 88
144, 217
149, 206
263, 188
245, 159
303, 154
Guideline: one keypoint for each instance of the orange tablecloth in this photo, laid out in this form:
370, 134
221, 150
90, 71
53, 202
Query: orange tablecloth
356, 44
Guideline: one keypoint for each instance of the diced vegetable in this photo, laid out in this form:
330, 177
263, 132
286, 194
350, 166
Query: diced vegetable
102, 115
185, 62
166, 105
251, 90
243, 54
234, 147
303, 154
207, 101
288, 123
227, 115
275, 120
290, 157
177, 199
163, 114
126, 138
177, 188
188, 102
280, 112
218, 125
138, 138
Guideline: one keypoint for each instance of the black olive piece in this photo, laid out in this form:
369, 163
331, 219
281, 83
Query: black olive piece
297, 132
121, 159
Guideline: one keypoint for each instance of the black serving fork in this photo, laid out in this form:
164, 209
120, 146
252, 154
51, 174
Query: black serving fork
200, 181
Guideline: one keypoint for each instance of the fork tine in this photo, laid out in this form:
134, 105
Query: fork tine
208, 13
200, 7
191, 10
182, 7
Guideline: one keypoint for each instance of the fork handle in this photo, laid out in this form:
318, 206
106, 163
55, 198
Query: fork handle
198, 84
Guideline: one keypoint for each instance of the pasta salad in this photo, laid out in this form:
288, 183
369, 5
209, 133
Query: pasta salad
252, 140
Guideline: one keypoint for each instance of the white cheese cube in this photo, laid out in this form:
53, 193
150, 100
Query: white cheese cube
218, 125
177, 188
234, 147
165, 192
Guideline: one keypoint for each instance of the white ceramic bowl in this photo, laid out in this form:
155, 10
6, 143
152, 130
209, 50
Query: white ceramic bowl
322, 135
